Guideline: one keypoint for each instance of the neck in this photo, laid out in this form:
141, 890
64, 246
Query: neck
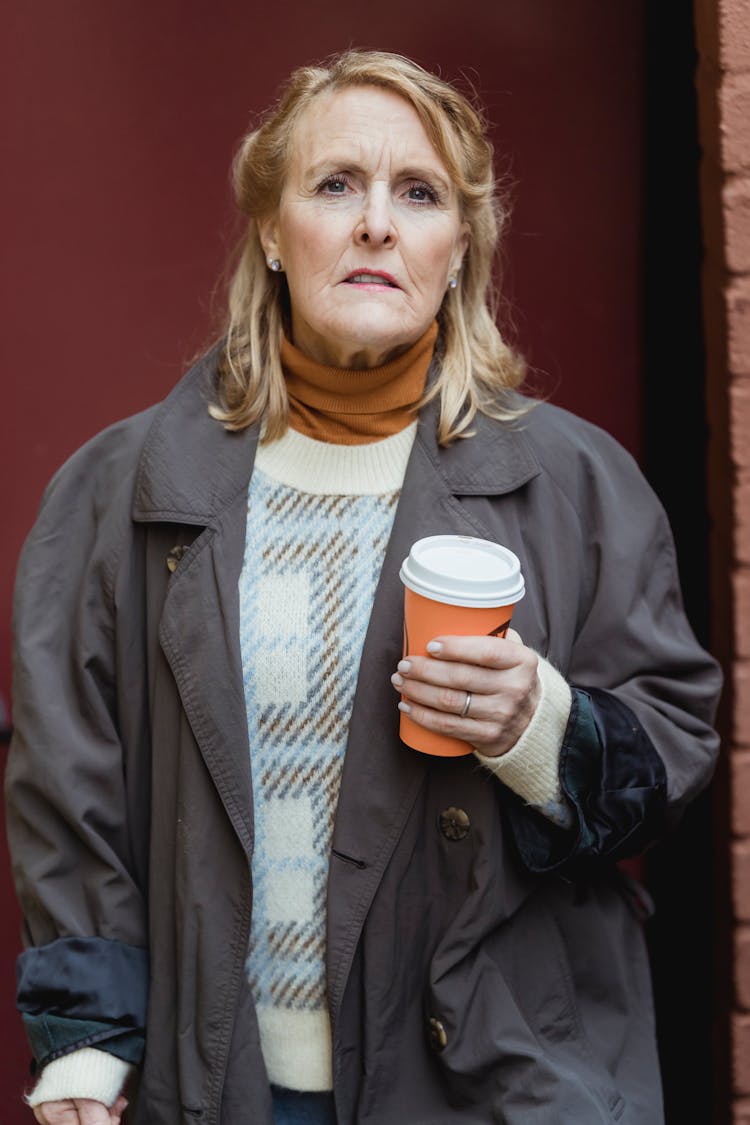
352, 406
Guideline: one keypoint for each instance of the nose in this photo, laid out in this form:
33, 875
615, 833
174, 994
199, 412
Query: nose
376, 225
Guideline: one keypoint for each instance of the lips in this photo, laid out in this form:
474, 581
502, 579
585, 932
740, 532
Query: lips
371, 277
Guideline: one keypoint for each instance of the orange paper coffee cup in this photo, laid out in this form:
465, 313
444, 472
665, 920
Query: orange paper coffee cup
454, 585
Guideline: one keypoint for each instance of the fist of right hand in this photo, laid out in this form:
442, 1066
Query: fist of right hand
80, 1111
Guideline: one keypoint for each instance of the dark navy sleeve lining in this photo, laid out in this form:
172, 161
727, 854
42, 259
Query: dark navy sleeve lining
615, 781
52, 1037
85, 978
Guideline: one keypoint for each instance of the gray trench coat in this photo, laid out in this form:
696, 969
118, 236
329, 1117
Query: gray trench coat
494, 973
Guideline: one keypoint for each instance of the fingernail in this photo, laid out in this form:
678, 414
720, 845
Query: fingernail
434, 647
396, 680
404, 707
404, 666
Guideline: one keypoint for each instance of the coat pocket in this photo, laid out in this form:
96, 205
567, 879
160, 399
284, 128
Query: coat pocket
511, 1036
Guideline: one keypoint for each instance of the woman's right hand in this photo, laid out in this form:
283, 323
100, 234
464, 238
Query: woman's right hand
80, 1111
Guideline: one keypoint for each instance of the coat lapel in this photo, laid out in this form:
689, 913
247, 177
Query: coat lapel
194, 472
382, 776
200, 637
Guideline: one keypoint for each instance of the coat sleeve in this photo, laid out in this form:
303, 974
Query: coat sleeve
82, 979
639, 744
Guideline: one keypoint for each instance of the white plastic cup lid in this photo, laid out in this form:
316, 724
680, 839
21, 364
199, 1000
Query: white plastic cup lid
461, 570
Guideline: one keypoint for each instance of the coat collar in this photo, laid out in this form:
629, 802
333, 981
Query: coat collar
191, 468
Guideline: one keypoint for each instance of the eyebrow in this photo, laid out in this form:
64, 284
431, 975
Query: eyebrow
410, 172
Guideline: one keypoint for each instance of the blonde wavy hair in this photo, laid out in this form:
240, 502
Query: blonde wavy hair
478, 369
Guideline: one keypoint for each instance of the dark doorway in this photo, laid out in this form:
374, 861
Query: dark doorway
683, 935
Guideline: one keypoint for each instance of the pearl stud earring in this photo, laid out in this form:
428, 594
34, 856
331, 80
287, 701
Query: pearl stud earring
452, 282
275, 264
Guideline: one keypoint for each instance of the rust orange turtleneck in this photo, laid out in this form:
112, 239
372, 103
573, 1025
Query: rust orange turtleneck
344, 406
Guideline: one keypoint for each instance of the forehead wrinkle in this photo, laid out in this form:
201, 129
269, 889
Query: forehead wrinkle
354, 135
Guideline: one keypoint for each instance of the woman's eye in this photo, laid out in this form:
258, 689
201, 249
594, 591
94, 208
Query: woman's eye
335, 186
422, 193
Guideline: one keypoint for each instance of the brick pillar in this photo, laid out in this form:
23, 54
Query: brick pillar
723, 80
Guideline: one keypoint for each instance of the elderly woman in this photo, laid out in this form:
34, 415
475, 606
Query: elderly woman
245, 899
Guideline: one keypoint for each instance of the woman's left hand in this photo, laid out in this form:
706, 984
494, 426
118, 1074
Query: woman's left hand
499, 672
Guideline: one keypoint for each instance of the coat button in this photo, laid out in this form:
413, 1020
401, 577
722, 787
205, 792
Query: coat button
438, 1037
174, 557
454, 823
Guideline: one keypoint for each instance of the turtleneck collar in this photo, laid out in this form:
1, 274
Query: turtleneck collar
352, 407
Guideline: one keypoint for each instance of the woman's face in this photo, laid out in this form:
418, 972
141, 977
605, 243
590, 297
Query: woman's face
368, 228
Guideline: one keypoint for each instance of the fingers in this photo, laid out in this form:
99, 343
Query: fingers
79, 1111
57, 1113
498, 719
452, 679
118, 1109
461, 664
501, 675
485, 652
450, 701
92, 1113
468, 730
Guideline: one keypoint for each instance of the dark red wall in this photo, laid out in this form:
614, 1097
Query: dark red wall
118, 127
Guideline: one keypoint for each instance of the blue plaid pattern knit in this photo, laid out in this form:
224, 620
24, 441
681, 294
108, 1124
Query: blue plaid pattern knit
311, 566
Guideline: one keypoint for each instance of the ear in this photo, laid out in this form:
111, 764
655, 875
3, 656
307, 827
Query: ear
462, 245
268, 233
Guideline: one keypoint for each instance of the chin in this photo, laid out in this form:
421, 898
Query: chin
380, 335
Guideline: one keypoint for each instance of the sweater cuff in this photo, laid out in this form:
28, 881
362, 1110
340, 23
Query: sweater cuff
86, 1073
531, 767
